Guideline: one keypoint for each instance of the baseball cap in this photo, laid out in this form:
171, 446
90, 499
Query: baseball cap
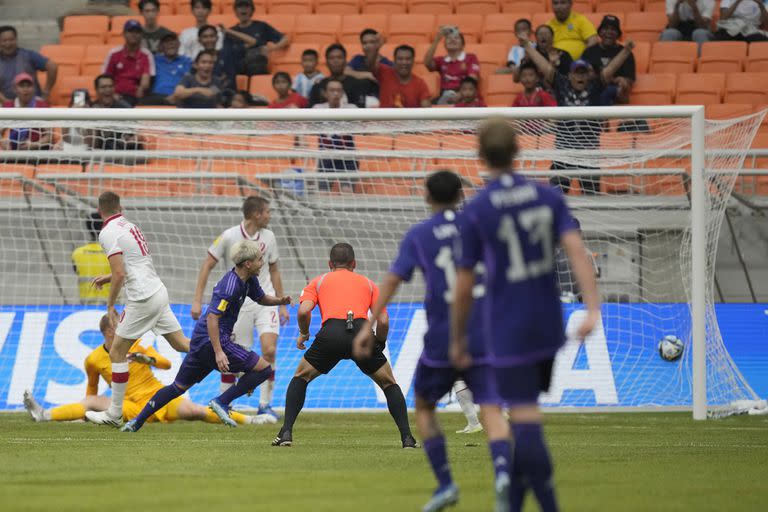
131, 25
23, 77
610, 21
580, 64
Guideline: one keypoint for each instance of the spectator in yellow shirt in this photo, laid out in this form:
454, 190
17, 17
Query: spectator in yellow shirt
89, 261
573, 32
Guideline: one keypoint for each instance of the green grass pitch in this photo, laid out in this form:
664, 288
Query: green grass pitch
353, 462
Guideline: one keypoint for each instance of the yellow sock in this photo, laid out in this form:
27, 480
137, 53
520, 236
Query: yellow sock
68, 412
210, 417
241, 419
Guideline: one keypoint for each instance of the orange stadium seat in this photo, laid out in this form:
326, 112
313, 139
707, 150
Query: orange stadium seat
757, 57
746, 88
501, 90
352, 25
320, 29
722, 57
642, 55
655, 6
411, 28
85, 30
524, 5
656, 89
500, 28
178, 22
430, 7
700, 88
337, 6
228, 19
617, 5
291, 56
95, 55
384, 7
597, 17
67, 84
540, 18
673, 57
644, 26
285, 23
289, 7
491, 56
582, 6
728, 110
470, 25
477, 7
67, 57
262, 85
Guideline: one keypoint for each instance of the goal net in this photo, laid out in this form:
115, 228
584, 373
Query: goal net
358, 177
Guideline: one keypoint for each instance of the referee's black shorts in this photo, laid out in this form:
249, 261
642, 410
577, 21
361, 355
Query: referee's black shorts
333, 343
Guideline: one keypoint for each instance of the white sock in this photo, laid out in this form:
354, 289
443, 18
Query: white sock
464, 396
118, 390
267, 391
227, 381
46, 415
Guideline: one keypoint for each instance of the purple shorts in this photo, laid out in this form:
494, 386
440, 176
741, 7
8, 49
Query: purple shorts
521, 385
201, 361
432, 383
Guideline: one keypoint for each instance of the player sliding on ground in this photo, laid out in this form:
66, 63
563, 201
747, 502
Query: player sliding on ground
142, 384
514, 226
266, 319
212, 347
146, 307
428, 246
344, 299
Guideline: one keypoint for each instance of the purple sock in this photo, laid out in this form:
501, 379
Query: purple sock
532, 459
438, 459
245, 384
501, 455
157, 402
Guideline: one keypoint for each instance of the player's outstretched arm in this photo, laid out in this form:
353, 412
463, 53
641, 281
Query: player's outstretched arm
269, 300
584, 272
277, 282
304, 318
462, 304
202, 281
362, 346
117, 268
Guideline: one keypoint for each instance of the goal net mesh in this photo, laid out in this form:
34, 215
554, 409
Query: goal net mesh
360, 181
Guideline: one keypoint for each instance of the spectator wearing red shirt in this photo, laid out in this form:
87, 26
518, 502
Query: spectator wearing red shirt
398, 86
286, 97
130, 64
26, 138
468, 96
533, 95
454, 66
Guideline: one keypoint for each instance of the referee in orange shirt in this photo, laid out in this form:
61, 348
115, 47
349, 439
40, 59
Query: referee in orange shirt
344, 299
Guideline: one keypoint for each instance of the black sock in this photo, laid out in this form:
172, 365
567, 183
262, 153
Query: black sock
294, 401
245, 384
397, 408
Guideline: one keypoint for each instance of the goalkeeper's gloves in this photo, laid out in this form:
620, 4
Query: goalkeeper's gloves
141, 358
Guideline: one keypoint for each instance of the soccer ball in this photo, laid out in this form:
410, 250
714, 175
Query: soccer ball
671, 348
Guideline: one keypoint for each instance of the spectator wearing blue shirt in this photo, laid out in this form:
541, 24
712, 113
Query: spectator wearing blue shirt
362, 66
15, 60
170, 67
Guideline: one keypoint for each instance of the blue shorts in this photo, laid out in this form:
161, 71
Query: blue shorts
432, 383
201, 361
521, 385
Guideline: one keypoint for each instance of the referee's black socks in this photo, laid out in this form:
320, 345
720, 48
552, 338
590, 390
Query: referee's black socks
397, 408
294, 401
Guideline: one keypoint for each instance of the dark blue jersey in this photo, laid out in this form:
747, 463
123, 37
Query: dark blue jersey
428, 246
227, 299
514, 226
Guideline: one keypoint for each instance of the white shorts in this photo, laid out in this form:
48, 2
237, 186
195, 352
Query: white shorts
265, 319
151, 314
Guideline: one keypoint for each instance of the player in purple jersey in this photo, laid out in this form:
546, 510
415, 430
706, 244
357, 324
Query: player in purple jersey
514, 226
212, 346
428, 246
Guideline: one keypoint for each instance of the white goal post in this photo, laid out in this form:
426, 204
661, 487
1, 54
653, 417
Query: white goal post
630, 153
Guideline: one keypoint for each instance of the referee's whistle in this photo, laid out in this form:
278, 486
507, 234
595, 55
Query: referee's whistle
350, 321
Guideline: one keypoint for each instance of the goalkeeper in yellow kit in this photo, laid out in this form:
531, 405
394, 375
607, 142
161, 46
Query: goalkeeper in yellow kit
142, 385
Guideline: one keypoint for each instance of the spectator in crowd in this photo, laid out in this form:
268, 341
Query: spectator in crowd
689, 20
153, 33
225, 68
189, 37
15, 60
599, 55
580, 88
26, 139
364, 65
560, 59
356, 92
73, 138
200, 89
573, 31
241, 99
170, 67
309, 76
742, 20
398, 86
533, 95
334, 93
106, 93
130, 65
105, 86
454, 66
251, 42
516, 53
286, 97
468, 94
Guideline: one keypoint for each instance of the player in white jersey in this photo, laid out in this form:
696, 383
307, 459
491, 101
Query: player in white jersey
147, 307
266, 319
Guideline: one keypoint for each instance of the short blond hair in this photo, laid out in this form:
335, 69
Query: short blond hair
247, 250
497, 142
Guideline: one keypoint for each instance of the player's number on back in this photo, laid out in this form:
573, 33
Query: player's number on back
537, 224
140, 240
444, 261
